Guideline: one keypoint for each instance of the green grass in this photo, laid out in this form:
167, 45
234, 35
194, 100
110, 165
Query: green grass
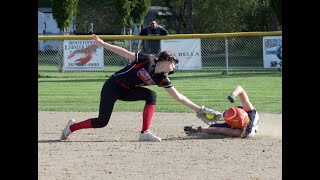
208, 89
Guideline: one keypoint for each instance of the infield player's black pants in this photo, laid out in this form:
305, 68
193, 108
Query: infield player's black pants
114, 90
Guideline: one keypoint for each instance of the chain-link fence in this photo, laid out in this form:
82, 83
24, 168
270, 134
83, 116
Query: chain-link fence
74, 56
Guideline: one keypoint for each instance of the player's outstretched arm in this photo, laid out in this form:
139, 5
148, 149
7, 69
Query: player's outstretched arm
182, 99
113, 48
222, 131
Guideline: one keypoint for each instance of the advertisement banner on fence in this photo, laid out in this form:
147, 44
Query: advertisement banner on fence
188, 51
82, 55
272, 52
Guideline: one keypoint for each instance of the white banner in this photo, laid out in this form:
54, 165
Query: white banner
188, 51
80, 55
272, 52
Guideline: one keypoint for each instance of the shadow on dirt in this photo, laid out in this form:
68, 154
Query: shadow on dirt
197, 136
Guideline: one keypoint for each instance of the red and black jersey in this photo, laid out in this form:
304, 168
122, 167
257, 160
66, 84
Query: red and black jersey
141, 73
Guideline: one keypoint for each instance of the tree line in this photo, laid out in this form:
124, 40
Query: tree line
185, 16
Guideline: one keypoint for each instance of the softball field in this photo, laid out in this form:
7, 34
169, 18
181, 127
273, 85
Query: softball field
114, 152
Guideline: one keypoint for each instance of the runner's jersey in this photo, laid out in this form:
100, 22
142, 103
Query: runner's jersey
141, 73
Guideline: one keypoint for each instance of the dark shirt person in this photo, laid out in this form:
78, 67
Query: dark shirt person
153, 46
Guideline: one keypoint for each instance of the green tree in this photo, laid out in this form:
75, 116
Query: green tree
63, 11
212, 16
123, 8
189, 26
131, 11
139, 11
277, 7
220, 16
178, 10
99, 12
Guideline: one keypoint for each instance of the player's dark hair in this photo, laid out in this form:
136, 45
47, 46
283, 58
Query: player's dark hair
168, 56
156, 20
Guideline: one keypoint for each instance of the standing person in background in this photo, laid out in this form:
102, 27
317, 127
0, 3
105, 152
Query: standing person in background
90, 29
153, 46
127, 85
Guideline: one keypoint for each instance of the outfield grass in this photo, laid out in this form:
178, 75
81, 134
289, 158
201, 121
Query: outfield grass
208, 89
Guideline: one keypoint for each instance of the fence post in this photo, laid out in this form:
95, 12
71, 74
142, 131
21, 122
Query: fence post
60, 56
227, 55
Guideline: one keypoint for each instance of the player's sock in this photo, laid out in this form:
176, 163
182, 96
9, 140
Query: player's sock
81, 125
147, 116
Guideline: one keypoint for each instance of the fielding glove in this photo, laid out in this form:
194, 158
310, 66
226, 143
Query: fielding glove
192, 129
202, 115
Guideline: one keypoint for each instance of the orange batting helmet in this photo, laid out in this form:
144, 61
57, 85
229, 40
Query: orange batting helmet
236, 117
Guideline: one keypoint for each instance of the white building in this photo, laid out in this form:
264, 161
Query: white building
47, 25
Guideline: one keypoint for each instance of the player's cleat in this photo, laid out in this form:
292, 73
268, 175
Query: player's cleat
231, 98
148, 136
255, 127
192, 129
66, 131
254, 130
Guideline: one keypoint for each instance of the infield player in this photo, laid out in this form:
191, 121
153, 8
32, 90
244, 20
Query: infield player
248, 130
128, 84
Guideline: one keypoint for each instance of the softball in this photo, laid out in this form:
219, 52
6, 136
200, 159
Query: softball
210, 116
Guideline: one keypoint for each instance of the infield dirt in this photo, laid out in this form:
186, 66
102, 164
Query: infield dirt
114, 152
